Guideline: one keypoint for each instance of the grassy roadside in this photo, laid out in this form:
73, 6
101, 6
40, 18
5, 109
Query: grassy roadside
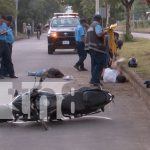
140, 49
122, 27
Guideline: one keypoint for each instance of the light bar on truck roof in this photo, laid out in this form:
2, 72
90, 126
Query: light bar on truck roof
66, 14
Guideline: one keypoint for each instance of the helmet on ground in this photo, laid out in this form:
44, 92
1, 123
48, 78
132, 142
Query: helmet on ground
132, 62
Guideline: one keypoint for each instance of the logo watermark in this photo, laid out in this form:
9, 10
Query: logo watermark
35, 101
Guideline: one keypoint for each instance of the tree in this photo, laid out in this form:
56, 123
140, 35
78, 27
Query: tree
7, 7
36, 10
87, 11
128, 5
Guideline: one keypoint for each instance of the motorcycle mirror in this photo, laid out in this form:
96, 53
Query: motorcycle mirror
16, 93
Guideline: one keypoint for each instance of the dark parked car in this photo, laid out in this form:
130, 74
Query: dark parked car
61, 34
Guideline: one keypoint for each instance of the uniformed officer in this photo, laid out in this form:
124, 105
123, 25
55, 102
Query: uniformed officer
3, 29
95, 42
7, 67
80, 45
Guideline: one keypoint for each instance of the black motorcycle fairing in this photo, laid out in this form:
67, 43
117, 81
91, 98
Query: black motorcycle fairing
86, 100
96, 98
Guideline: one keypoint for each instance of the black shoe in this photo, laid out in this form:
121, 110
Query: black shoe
83, 69
13, 76
77, 67
97, 85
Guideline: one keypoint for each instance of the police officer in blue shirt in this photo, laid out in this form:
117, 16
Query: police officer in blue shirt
3, 46
80, 32
7, 67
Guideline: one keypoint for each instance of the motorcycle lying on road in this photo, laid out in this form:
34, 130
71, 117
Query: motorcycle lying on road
84, 101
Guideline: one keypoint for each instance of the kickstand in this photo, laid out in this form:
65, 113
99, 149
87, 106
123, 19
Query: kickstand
44, 124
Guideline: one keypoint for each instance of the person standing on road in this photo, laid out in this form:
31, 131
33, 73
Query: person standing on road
95, 42
80, 32
38, 30
28, 29
7, 67
3, 29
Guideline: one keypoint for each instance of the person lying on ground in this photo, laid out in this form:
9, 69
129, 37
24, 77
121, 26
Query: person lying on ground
113, 74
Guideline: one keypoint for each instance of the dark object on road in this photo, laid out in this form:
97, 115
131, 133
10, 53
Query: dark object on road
54, 73
121, 79
147, 83
39, 105
132, 62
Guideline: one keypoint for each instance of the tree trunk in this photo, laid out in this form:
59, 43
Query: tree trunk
128, 21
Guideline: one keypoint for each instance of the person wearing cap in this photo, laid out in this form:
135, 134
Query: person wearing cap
79, 37
28, 30
95, 42
7, 67
3, 45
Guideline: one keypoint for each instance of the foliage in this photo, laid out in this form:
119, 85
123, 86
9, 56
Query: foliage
7, 7
139, 9
42, 10
39, 10
36, 10
87, 11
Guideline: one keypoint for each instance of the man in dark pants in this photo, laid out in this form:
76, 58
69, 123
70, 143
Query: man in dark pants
94, 40
79, 37
7, 67
3, 29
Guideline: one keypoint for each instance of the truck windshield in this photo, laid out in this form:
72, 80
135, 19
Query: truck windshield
65, 22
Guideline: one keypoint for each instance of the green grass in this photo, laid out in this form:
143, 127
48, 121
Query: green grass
140, 49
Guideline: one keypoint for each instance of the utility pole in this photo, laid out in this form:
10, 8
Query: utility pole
97, 7
16, 30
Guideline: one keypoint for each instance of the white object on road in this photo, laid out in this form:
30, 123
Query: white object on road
110, 75
68, 77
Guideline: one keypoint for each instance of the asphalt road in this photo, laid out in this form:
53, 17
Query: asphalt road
123, 126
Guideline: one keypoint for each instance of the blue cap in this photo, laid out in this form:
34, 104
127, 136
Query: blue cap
9, 18
97, 17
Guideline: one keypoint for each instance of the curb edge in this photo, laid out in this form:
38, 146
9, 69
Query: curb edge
136, 81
